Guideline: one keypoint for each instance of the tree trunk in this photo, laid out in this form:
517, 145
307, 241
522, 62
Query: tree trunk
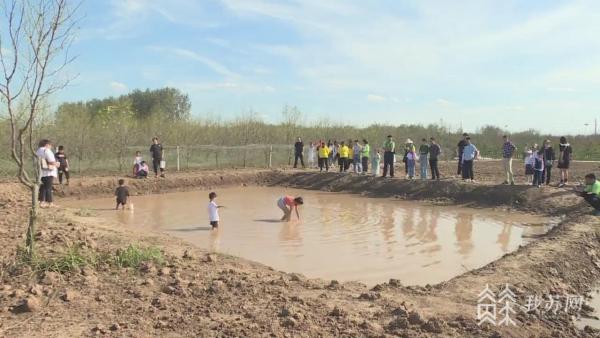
30, 242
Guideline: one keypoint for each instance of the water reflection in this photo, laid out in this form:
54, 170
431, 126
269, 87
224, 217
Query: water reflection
345, 237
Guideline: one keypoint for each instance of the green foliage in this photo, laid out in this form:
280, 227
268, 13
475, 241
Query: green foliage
74, 258
133, 255
71, 259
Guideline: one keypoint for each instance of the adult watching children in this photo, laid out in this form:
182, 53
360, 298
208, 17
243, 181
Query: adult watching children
49, 171
298, 152
156, 151
389, 149
460, 147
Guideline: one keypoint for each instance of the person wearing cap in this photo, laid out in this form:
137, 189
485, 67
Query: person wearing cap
411, 158
459, 152
389, 149
508, 151
470, 153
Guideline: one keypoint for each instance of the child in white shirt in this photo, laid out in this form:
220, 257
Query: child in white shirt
213, 210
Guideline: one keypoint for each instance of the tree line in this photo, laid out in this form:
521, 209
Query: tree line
101, 131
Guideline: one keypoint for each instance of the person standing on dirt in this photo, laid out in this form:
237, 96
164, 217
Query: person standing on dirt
424, 157
298, 152
344, 153
48, 172
323, 151
63, 169
508, 151
549, 158
459, 152
564, 159
156, 151
365, 154
389, 149
434, 153
470, 153
591, 192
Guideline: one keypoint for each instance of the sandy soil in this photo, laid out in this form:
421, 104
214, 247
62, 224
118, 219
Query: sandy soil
196, 294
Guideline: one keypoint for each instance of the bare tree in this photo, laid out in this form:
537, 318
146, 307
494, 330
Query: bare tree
34, 50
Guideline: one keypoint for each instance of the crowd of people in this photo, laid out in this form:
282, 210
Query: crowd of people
355, 156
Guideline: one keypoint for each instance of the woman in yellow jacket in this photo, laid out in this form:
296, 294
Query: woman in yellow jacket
323, 157
344, 155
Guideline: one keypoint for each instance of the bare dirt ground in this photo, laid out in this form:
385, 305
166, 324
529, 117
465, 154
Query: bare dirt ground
199, 294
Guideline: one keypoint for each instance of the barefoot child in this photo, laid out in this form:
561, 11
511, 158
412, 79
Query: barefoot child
213, 210
122, 194
286, 204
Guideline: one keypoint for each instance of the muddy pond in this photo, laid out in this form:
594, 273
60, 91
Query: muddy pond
340, 236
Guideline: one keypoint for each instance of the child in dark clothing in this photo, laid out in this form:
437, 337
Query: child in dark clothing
63, 169
122, 194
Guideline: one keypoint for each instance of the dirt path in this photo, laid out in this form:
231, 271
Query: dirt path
196, 294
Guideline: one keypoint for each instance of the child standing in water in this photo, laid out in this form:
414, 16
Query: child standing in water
286, 204
375, 162
122, 194
213, 210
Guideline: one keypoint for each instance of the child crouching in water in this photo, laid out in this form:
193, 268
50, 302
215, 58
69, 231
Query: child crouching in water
286, 204
213, 210
122, 194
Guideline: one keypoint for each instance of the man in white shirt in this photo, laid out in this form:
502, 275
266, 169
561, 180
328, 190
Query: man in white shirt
470, 153
49, 170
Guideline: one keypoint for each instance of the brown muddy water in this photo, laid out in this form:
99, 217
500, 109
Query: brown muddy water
340, 236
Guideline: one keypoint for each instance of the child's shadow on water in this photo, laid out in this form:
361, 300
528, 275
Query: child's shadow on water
191, 229
268, 220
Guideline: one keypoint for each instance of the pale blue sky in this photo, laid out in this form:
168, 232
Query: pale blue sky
525, 64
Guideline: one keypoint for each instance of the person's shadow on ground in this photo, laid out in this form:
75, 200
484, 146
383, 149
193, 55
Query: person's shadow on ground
191, 229
268, 220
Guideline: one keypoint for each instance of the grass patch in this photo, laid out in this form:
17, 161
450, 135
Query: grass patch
74, 258
71, 259
133, 255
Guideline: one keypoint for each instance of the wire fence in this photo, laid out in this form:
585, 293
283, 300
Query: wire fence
185, 157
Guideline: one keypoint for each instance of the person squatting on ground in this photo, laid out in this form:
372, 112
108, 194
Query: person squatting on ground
508, 151
389, 149
591, 192
298, 152
287, 204
63, 169
324, 153
48, 172
156, 151
213, 210
434, 152
122, 194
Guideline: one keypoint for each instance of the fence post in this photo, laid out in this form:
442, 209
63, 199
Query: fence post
271, 157
177, 158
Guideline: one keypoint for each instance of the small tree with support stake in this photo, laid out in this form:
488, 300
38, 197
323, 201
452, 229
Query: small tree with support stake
35, 36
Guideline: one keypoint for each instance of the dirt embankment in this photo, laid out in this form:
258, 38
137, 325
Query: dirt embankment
196, 294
